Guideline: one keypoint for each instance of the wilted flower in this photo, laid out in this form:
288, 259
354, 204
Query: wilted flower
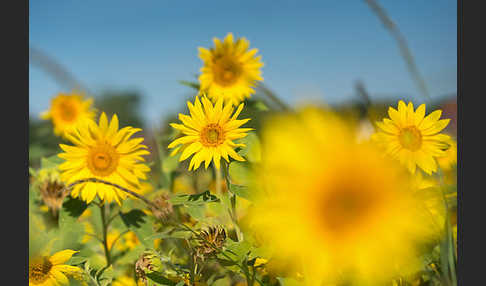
148, 262
164, 207
210, 240
52, 189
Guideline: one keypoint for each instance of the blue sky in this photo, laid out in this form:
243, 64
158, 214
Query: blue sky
311, 49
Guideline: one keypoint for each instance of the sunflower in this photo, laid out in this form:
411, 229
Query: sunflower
209, 133
103, 152
412, 137
47, 271
333, 204
67, 110
230, 70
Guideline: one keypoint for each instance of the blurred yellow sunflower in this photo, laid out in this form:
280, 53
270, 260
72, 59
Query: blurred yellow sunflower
103, 152
47, 271
412, 137
67, 110
209, 133
333, 204
230, 70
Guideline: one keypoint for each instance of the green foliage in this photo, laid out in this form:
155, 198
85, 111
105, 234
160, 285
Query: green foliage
194, 200
140, 223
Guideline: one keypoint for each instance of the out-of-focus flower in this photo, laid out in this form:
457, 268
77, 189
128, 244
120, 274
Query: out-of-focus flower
412, 137
209, 133
334, 204
230, 70
122, 241
164, 207
67, 110
103, 152
47, 271
51, 189
126, 280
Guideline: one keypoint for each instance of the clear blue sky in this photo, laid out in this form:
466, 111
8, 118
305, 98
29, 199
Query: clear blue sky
311, 49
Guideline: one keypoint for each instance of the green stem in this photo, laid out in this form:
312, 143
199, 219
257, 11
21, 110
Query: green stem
448, 231
103, 211
268, 93
218, 180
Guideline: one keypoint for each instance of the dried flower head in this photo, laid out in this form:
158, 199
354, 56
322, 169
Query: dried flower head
210, 240
164, 209
51, 189
148, 262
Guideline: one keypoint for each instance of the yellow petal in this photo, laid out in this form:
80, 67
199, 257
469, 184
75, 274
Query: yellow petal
61, 256
59, 276
103, 123
194, 147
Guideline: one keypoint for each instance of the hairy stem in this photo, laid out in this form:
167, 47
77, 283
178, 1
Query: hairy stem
103, 210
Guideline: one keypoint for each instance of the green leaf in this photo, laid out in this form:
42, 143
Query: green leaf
241, 191
141, 224
159, 278
260, 106
194, 200
194, 85
70, 230
252, 151
239, 173
71, 210
170, 163
172, 233
51, 162
237, 251
105, 276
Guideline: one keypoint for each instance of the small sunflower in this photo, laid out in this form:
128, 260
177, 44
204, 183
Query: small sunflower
412, 137
103, 152
47, 271
230, 70
209, 133
67, 110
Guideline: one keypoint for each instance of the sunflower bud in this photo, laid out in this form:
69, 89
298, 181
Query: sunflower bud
148, 262
210, 240
164, 207
51, 189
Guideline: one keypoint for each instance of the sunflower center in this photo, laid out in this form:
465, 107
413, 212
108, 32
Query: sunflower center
212, 135
410, 138
226, 71
345, 208
68, 111
39, 270
103, 159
